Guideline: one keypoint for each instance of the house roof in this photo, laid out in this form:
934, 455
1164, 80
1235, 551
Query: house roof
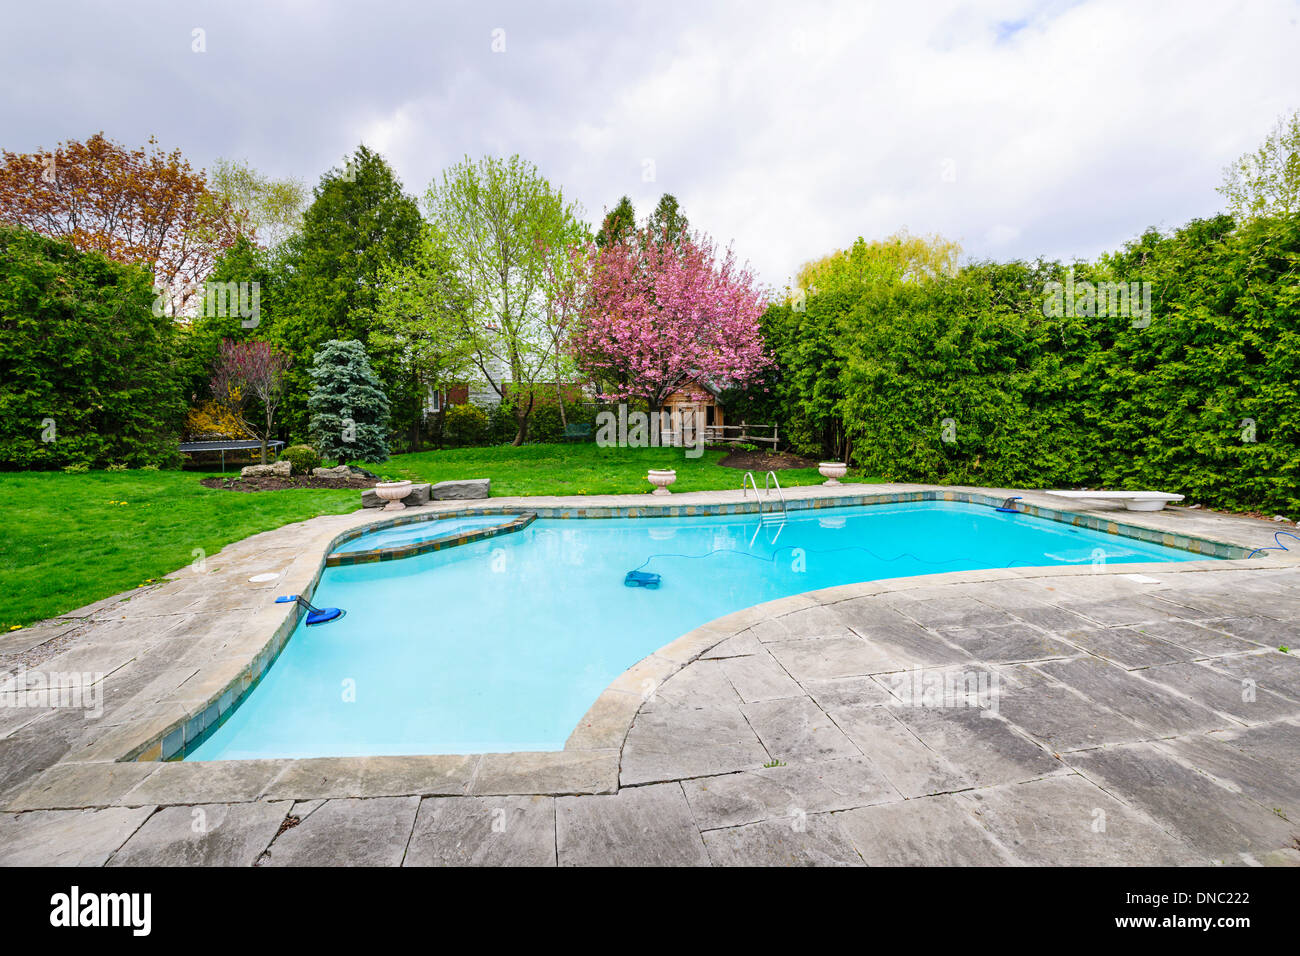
713, 388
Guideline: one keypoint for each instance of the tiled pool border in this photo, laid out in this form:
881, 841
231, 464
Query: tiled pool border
184, 733
340, 559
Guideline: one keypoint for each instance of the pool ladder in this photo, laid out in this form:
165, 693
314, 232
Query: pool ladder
765, 518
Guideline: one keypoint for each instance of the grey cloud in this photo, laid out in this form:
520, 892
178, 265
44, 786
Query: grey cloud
786, 129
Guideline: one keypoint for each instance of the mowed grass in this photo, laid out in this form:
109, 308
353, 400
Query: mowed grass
71, 540
577, 469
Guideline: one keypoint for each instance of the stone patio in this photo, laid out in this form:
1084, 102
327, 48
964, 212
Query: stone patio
1133, 715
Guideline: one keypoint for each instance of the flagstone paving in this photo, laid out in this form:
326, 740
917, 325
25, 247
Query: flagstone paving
1051, 716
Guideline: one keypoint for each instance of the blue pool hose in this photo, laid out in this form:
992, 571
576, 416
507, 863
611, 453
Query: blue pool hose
1277, 545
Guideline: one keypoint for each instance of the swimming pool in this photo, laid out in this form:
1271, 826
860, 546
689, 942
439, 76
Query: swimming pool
503, 644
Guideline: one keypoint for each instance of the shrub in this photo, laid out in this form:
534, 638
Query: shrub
303, 458
212, 421
544, 424
86, 368
972, 379
502, 426
466, 425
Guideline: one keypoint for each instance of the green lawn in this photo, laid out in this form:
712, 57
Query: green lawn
70, 540
576, 469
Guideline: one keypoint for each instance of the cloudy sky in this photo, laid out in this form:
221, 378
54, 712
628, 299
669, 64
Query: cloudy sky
1018, 128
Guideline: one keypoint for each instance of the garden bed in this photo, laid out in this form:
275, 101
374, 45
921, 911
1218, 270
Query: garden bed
276, 483
763, 460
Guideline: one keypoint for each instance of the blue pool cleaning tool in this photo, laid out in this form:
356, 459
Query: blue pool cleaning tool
315, 615
641, 579
1008, 506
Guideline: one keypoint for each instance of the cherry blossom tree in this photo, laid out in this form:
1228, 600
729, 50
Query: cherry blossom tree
652, 315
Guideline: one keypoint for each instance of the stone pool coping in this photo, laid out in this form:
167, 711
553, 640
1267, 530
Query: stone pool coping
102, 771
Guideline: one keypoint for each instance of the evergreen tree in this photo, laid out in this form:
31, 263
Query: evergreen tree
667, 221
359, 223
349, 410
619, 224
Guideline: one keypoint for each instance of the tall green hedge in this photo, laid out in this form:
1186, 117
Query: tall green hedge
1203, 400
86, 368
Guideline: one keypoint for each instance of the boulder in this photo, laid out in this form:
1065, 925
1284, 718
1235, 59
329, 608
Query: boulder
338, 471
466, 488
359, 471
419, 496
280, 469
370, 499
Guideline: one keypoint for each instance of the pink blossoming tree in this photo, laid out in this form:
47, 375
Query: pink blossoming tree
653, 314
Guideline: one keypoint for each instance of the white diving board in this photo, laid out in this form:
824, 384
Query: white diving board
1133, 500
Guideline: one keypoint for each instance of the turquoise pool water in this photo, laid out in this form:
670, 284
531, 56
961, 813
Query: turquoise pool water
503, 644
421, 531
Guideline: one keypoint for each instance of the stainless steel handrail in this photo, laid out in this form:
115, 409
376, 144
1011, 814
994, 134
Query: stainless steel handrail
771, 477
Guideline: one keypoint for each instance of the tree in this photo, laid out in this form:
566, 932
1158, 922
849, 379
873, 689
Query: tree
901, 257
147, 208
420, 323
812, 331
654, 315
502, 220
619, 224
667, 221
265, 210
247, 372
349, 410
86, 367
250, 275
563, 279
358, 224
1267, 181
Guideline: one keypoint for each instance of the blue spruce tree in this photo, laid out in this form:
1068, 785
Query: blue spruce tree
349, 410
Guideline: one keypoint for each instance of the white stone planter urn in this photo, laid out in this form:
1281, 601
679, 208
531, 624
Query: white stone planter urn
393, 492
832, 471
661, 478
